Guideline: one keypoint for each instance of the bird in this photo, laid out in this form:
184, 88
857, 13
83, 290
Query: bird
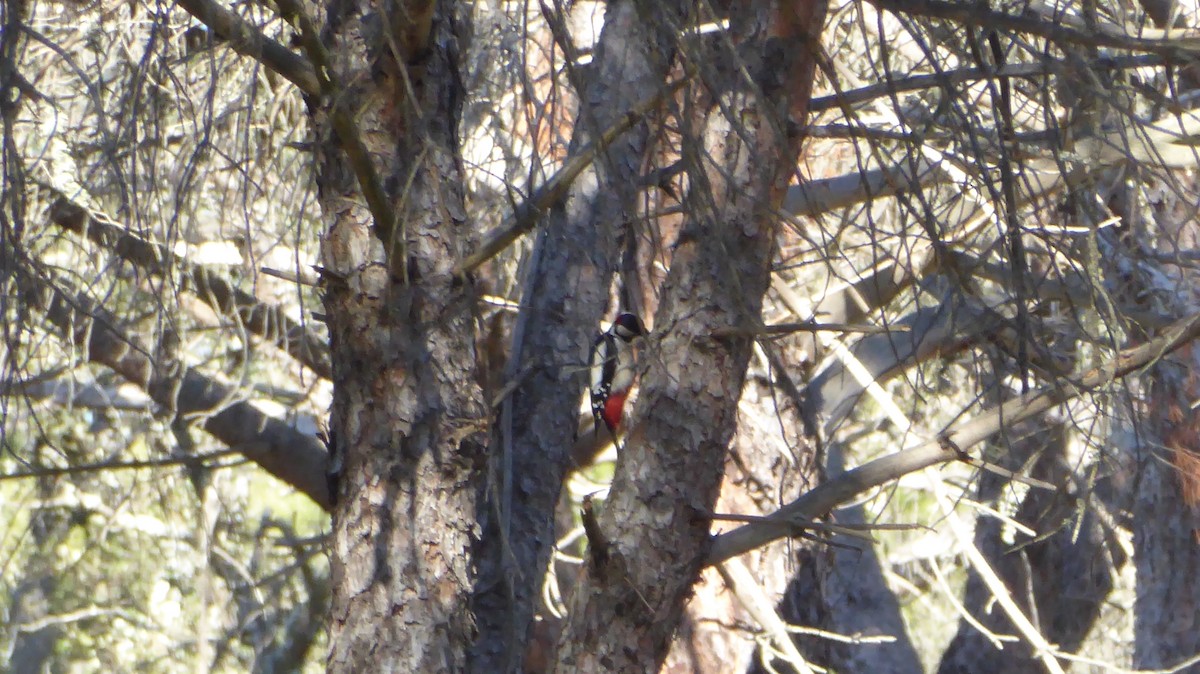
612, 368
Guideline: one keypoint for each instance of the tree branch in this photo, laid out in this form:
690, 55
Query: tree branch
56, 471
948, 445
525, 216
961, 75
343, 121
248, 40
268, 321
1173, 49
281, 450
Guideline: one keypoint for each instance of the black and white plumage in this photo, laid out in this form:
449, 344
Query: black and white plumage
612, 369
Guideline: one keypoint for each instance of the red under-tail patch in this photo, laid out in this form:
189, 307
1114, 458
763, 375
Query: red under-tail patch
612, 410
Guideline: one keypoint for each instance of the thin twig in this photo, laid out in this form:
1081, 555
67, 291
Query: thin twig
754, 599
1042, 649
526, 215
997, 640
57, 471
806, 326
266, 320
961, 75
843, 638
965, 435
1172, 50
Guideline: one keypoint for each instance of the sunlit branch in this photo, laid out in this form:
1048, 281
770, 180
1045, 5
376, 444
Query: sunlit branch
268, 321
293, 457
950, 445
248, 40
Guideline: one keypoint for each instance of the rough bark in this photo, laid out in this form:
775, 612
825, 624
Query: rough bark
770, 459
654, 526
1166, 520
1166, 450
409, 420
566, 293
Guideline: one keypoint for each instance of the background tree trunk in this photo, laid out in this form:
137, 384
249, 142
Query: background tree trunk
1060, 578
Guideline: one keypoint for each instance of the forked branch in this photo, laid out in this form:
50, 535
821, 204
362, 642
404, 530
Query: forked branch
248, 40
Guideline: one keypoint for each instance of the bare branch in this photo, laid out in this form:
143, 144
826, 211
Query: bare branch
942, 79
1180, 49
55, 471
281, 450
752, 596
248, 40
268, 321
526, 215
948, 445
347, 129
804, 326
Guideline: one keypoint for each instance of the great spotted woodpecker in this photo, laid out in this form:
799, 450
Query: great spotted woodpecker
613, 369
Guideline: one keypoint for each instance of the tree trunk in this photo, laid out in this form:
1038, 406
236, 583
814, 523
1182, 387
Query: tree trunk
1166, 452
565, 295
739, 154
409, 420
770, 460
1166, 520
